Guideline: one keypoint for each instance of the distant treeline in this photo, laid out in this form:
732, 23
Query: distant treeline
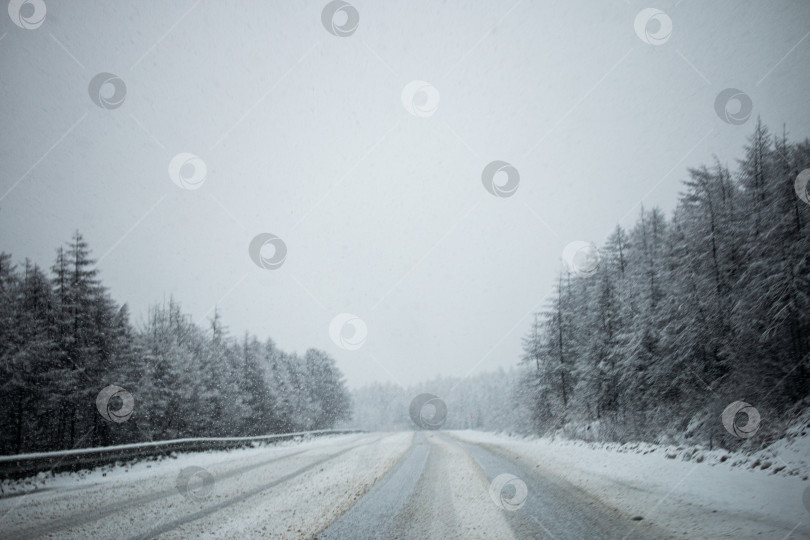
485, 402
63, 339
686, 315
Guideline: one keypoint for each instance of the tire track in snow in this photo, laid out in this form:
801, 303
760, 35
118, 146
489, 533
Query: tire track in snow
553, 508
169, 526
372, 514
435, 491
440, 489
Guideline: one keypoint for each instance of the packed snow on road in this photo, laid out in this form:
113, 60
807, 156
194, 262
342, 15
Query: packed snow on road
425, 484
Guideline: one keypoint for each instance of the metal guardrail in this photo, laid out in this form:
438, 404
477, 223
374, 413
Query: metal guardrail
22, 465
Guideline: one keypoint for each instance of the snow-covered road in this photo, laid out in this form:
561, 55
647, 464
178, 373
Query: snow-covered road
441, 489
377, 485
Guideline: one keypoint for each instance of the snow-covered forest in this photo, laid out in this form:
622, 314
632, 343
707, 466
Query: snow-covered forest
63, 339
687, 314
680, 317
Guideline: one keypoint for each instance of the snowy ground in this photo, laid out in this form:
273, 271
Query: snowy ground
688, 498
422, 485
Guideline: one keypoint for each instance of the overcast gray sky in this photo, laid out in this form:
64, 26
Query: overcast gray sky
305, 135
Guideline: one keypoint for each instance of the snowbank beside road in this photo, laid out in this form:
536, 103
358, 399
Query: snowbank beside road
689, 498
